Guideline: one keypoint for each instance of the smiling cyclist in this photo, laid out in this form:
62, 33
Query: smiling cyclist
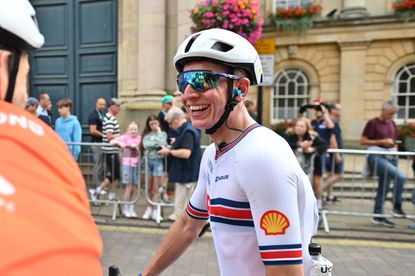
259, 201
46, 226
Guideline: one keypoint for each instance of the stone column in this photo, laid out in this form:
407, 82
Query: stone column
354, 8
352, 87
128, 49
152, 50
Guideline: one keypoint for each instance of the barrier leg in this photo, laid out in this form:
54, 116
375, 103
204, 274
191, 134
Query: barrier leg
158, 213
114, 210
325, 221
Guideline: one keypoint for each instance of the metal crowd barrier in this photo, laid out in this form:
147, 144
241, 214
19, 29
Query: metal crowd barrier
357, 194
86, 160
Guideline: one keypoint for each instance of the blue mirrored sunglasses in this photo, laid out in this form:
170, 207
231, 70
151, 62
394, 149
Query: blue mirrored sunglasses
201, 80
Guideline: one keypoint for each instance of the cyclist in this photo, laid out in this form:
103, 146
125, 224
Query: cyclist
46, 227
259, 201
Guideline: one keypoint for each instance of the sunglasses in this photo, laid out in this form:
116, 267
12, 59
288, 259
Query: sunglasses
201, 80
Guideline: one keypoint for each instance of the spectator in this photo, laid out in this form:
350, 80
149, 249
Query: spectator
250, 106
129, 144
110, 130
323, 125
68, 128
306, 144
42, 109
167, 103
153, 139
379, 134
31, 105
46, 222
334, 162
95, 121
185, 156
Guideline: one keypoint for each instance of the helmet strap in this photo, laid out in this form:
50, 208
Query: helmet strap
230, 104
13, 76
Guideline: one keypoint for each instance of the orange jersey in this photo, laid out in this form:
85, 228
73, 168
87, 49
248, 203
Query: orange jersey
46, 224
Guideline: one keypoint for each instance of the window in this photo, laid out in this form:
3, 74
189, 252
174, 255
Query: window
290, 92
283, 4
404, 92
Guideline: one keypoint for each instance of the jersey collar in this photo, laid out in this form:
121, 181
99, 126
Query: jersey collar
226, 147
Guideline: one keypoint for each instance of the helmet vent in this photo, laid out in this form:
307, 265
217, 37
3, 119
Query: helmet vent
223, 47
190, 43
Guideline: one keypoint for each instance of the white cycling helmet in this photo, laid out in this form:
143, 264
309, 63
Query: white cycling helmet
18, 26
222, 46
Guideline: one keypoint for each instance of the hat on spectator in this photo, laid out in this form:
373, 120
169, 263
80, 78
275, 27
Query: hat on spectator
32, 102
113, 101
167, 99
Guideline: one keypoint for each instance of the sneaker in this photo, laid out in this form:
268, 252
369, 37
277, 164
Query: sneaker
383, 222
332, 200
173, 217
147, 213
111, 196
398, 212
93, 194
133, 214
155, 215
126, 211
319, 204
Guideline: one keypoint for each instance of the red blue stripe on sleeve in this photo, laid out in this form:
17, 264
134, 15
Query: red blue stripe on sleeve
288, 254
196, 213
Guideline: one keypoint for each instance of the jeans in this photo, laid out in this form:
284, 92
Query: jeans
387, 171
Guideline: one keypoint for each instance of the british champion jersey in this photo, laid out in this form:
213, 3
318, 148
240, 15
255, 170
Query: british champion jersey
46, 224
260, 204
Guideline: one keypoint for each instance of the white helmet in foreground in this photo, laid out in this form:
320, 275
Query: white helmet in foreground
224, 47
18, 26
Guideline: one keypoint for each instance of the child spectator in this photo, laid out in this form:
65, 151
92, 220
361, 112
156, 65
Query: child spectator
67, 126
153, 139
129, 144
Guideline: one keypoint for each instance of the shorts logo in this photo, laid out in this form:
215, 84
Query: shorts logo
274, 222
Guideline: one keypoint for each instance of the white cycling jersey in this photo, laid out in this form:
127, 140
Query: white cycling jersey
260, 203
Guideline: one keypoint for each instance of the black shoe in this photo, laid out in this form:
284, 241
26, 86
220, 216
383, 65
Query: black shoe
332, 200
383, 222
398, 212
204, 229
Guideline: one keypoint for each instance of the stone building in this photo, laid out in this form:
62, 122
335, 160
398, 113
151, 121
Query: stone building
359, 55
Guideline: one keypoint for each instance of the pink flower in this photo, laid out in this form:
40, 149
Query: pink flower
240, 16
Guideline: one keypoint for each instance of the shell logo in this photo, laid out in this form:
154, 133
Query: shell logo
274, 222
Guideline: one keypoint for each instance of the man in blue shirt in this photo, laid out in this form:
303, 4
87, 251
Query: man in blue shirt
185, 156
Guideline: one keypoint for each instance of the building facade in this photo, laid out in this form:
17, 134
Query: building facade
358, 53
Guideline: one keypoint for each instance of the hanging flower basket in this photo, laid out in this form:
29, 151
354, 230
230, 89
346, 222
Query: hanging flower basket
239, 16
297, 18
405, 9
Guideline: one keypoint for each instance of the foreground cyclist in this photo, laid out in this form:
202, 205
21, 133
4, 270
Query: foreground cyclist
46, 226
260, 203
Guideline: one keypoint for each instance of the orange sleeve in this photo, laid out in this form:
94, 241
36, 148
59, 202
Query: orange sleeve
44, 211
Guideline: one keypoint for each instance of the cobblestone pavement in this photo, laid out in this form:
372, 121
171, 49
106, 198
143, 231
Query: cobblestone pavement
131, 248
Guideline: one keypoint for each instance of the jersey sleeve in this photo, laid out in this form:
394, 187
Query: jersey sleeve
197, 207
269, 180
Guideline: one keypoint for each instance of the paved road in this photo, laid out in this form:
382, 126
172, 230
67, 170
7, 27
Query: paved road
131, 248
